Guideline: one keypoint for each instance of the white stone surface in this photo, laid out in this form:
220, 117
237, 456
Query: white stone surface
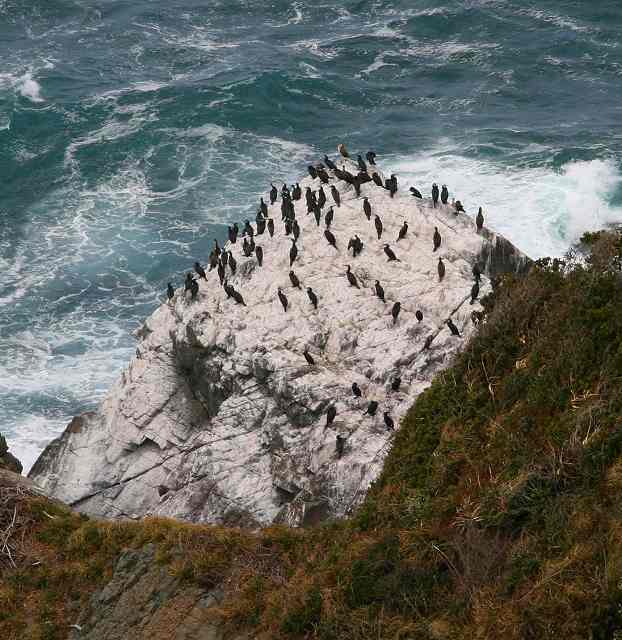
222, 411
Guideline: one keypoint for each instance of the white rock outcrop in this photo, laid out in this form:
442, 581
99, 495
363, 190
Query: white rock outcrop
219, 418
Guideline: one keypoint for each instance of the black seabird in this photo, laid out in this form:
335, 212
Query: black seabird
395, 385
329, 163
271, 227
378, 225
388, 420
335, 194
477, 272
474, 292
479, 220
170, 291
308, 357
403, 231
200, 271
330, 238
416, 193
261, 226
312, 172
328, 218
312, 297
377, 179
452, 327
435, 194
294, 280
371, 157
356, 390
436, 239
372, 407
274, 194
390, 255
444, 194
379, 291
221, 271
296, 229
419, 315
237, 296
293, 252
352, 278
340, 443
283, 299
331, 413
233, 265
317, 213
367, 208
259, 254
248, 229
263, 207
361, 163
321, 198
194, 288
441, 269
395, 311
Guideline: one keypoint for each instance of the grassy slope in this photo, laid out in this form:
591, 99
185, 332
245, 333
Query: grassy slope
497, 514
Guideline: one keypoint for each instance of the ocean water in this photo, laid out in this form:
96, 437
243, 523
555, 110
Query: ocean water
131, 133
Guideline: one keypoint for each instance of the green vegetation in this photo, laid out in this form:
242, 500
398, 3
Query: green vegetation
497, 514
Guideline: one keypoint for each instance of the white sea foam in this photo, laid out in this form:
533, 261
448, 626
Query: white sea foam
541, 210
24, 84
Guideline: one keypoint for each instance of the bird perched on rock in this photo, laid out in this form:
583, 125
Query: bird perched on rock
361, 163
378, 225
237, 296
367, 208
321, 198
388, 421
390, 255
296, 229
377, 179
283, 299
352, 278
274, 194
263, 207
479, 220
340, 444
342, 150
170, 291
221, 271
261, 226
395, 385
312, 172
335, 194
435, 194
391, 185
416, 193
293, 253
296, 192
356, 244
194, 288
317, 214
322, 175
329, 163
372, 407
441, 269
379, 291
271, 227
308, 357
259, 255
232, 235
371, 157
444, 194
331, 413
459, 208
200, 271
436, 239
328, 218
403, 231
419, 315
330, 238
294, 280
233, 265
248, 229
395, 311
356, 391
474, 292
312, 297
452, 327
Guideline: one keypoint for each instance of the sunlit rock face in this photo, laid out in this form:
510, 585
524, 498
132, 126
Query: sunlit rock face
219, 417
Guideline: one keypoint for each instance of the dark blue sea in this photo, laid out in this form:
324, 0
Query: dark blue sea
131, 132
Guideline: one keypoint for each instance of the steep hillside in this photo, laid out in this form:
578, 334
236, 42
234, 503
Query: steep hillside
497, 514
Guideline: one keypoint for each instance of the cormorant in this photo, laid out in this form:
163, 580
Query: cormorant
352, 278
371, 157
416, 193
231, 233
221, 272
379, 291
170, 291
194, 289
200, 271
328, 218
367, 208
308, 357
321, 198
403, 231
474, 292
361, 163
479, 220
263, 207
377, 179
248, 229
312, 172
436, 239
331, 413
312, 297
356, 390
294, 280
378, 225
259, 254
388, 420
372, 407
261, 226
188, 282
340, 443
293, 252
477, 272
441, 269
452, 327
296, 229
233, 265
444, 194
329, 163
283, 299
330, 238
395, 311
317, 213
435, 194
419, 315
271, 227
274, 194
237, 296
459, 207
390, 255
335, 194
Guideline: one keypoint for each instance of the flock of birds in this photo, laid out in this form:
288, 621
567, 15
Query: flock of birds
316, 202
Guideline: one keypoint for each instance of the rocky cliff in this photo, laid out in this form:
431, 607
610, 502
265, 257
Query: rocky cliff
219, 418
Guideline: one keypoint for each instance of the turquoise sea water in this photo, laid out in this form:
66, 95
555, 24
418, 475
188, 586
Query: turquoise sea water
132, 132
